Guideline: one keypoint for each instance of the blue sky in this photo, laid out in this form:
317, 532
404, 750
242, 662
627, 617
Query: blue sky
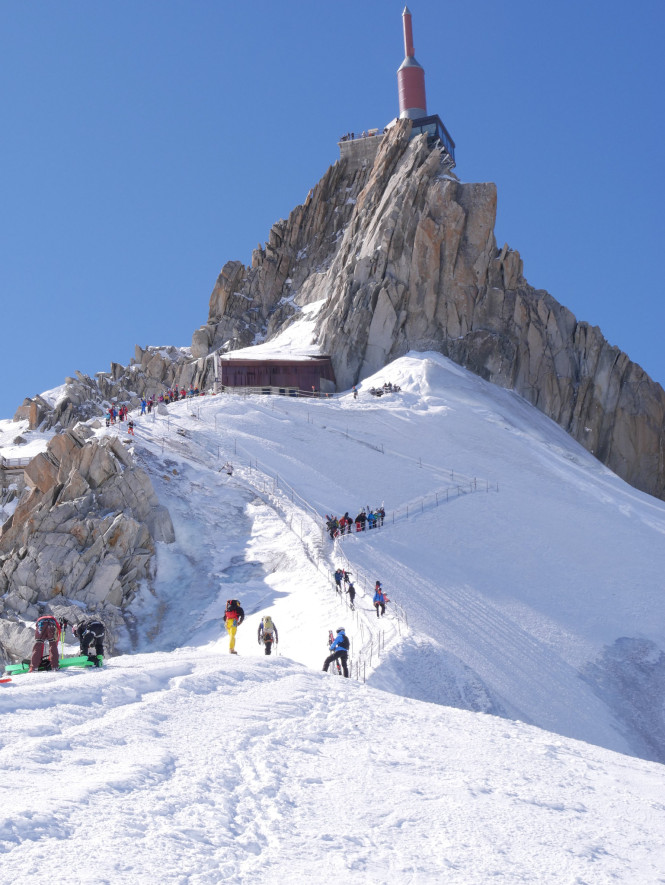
144, 144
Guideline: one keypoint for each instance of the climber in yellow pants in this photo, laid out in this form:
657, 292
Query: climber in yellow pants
234, 616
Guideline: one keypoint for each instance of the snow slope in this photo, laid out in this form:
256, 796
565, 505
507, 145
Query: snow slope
197, 767
530, 579
530, 574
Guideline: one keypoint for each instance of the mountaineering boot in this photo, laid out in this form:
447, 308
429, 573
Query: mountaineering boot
233, 651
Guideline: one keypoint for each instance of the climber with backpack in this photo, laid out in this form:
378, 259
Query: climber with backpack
91, 632
351, 590
339, 650
379, 600
47, 630
268, 633
233, 616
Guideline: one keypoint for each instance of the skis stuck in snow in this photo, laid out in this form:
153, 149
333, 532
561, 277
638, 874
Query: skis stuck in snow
76, 661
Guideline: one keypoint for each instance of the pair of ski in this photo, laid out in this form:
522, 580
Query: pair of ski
76, 661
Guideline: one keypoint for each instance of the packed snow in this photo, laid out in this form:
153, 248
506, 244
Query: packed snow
504, 720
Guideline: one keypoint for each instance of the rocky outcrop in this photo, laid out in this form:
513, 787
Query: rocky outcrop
83, 532
153, 370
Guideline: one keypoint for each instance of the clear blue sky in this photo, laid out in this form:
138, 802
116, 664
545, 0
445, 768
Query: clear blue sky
146, 142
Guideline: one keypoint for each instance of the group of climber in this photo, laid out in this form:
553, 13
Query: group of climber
90, 632
344, 584
366, 519
386, 388
48, 630
267, 636
339, 645
234, 615
120, 413
173, 394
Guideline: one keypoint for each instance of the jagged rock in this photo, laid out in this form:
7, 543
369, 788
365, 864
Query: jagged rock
16, 640
23, 412
86, 531
160, 524
41, 473
201, 341
104, 587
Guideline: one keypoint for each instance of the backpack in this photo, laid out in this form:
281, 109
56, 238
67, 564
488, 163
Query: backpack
268, 626
94, 627
232, 607
47, 628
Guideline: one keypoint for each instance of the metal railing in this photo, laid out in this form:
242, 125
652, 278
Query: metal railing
13, 463
270, 390
419, 505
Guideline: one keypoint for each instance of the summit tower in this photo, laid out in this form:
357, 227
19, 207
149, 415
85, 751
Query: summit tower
410, 76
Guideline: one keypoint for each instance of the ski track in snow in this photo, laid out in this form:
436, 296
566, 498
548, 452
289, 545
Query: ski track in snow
221, 769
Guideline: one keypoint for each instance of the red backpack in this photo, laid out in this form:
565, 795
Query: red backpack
232, 609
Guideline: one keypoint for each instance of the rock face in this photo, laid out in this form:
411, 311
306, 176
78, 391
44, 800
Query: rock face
403, 257
259, 301
84, 531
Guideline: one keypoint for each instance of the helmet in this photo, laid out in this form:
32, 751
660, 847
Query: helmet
340, 629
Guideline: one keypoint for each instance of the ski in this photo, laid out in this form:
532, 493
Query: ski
5, 679
77, 661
